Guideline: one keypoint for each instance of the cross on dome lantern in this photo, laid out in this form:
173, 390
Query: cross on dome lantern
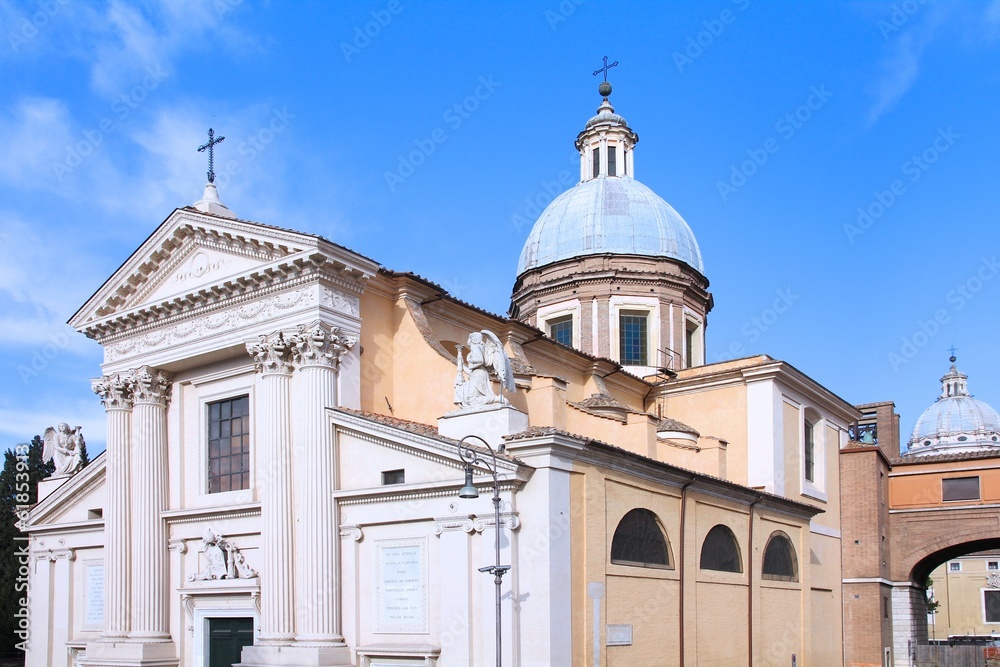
605, 88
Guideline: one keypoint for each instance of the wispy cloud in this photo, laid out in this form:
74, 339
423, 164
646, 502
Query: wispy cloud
908, 39
33, 134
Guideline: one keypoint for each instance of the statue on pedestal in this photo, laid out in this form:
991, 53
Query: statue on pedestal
62, 447
472, 381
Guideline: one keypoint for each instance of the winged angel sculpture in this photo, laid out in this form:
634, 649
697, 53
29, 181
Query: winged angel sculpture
472, 382
62, 447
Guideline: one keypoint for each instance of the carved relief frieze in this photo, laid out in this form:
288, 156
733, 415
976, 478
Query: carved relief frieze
203, 326
341, 301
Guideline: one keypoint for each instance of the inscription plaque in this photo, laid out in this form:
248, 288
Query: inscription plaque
94, 578
402, 590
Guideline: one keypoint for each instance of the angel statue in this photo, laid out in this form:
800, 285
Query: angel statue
472, 382
62, 447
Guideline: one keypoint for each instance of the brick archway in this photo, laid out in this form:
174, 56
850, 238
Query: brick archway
897, 527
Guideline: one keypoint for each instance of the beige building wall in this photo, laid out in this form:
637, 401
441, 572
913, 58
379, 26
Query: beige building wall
962, 597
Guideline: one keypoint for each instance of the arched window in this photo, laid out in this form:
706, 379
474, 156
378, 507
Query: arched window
720, 551
780, 563
639, 540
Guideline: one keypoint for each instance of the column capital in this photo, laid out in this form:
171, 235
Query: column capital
319, 345
115, 391
150, 386
272, 355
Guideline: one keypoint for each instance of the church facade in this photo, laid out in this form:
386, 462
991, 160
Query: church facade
284, 481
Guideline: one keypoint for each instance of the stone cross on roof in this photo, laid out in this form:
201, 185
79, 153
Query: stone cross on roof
210, 146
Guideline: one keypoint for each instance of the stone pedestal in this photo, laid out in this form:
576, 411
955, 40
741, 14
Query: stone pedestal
50, 484
489, 422
296, 656
132, 654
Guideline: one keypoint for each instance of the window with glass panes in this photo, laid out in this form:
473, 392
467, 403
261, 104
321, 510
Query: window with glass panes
229, 445
632, 338
612, 161
561, 329
810, 453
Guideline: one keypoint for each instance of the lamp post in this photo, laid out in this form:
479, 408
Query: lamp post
473, 457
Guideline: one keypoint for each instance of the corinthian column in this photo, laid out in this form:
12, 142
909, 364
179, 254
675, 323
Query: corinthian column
116, 395
150, 393
317, 353
274, 481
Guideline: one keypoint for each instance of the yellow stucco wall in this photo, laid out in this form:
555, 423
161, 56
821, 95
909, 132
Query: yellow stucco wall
961, 609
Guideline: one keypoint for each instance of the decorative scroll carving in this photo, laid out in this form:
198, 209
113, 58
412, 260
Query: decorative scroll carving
271, 354
115, 391
464, 524
150, 385
353, 532
222, 560
63, 446
993, 580
320, 345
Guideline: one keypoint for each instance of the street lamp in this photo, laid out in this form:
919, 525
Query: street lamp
472, 457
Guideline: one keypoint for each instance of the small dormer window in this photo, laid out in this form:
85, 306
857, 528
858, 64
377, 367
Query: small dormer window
612, 161
597, 162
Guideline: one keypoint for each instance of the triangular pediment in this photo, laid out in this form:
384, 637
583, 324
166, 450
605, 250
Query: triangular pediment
195, 266
194, 259
370, 445
80, 499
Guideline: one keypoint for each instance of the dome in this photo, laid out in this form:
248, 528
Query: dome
609, 215
956, 422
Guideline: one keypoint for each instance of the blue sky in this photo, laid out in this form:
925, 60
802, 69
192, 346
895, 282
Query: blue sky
837, 161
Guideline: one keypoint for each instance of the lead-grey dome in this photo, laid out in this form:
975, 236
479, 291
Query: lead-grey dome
609, 215
956, 422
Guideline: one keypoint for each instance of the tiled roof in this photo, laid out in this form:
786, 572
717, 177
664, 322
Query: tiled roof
546, 431
944, 458
668, 424
416, 428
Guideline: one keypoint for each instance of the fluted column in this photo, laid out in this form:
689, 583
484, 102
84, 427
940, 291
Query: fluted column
116, 395
150, 393
274, 482
317, 353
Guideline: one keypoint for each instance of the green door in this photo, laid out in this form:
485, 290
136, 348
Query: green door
226, 639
